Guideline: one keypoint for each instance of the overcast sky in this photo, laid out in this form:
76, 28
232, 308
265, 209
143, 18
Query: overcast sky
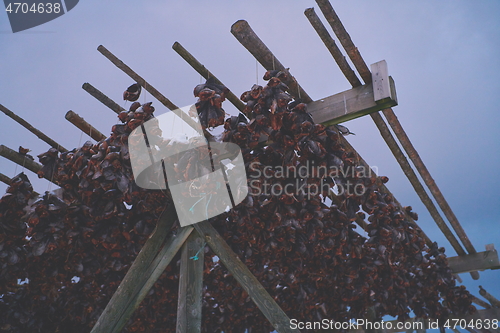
443, 55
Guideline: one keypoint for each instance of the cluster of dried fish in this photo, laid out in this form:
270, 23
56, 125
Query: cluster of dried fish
209, 106
302, 244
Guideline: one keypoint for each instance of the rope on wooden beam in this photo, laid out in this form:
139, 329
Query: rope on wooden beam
32, 129
247, 37
102, 97
21, 160
84, 126
203, 71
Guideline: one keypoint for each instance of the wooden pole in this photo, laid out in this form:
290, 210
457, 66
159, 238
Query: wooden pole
102, 98
203, 71
20, 159
191, 285
426, 176
479, 301
245, 278
332, 47
261, 52
365, 73
493, 301
84, 126
345, 39
33, 130
152, 90
5, 179
247, 37
121, 305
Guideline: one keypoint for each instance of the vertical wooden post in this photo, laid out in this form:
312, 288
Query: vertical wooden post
191, 285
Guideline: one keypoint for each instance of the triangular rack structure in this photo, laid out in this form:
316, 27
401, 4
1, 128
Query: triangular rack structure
377, 94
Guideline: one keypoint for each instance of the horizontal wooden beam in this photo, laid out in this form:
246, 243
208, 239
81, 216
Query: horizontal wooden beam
245, 278
350, 104
21, 160
84, 126
474, 262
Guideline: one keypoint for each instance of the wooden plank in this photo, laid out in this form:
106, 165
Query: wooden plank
348, 105
191, 285
380, 82
135, 278
84, 126
32, 129
5, 179
245, 278
474, 262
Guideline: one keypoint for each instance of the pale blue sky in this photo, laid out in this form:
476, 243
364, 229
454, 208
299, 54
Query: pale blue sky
443, 55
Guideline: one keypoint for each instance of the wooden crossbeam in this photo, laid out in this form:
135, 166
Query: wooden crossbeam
479, 261
245, 278
350, 104
5, 179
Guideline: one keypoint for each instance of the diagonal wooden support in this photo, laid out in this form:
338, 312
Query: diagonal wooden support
84, 126
245, 278
203, 71
5, 179
191, 285
150, 263
32, 129
102, 98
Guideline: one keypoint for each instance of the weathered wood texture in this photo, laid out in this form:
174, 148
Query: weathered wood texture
428, 180
84, 126
191, 285
382, 87
245, 278
32, 129
247, 37
495, 303
347, 105
152, 90
5, 179
332, 47
102, 97
474, 262
345, 39
21, 160
203, 71
146, 268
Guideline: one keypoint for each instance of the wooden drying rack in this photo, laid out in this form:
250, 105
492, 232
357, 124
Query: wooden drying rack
376, 94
